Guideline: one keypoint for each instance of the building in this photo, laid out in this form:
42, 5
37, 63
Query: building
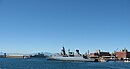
98, 54
94, 55
123, 54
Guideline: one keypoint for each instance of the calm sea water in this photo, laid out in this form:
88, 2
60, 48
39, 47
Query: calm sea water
8, 63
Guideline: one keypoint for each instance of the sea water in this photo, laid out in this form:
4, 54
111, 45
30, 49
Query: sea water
42, 63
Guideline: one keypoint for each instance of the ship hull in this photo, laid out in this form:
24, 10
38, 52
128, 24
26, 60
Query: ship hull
72, 59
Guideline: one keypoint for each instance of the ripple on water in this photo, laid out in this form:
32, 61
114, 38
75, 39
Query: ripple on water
8, 63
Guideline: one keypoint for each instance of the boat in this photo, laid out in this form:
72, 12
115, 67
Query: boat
60, 58
71, 57
126, 60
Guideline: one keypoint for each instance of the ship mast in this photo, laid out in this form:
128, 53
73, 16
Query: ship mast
63, 51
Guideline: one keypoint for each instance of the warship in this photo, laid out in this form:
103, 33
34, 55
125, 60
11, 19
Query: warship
71, 56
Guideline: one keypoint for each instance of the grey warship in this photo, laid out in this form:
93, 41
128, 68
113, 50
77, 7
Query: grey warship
71, 56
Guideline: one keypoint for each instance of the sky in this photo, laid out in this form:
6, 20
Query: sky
28, 26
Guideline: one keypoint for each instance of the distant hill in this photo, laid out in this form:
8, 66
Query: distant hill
47, 54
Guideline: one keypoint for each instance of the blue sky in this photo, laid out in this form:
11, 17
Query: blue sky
28, 26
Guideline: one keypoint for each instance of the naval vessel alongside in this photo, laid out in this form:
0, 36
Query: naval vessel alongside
71, 56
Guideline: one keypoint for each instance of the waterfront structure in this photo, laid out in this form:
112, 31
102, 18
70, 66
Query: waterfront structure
94, 55
123, 54
102, 56
38, 55
17, 55
98, 54
3, 55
